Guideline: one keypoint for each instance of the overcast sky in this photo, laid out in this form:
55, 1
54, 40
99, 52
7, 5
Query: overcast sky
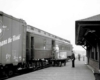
54, 16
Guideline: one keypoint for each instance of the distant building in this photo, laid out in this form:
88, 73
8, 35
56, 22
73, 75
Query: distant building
82, 53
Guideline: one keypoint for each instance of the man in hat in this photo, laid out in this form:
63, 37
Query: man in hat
73, 59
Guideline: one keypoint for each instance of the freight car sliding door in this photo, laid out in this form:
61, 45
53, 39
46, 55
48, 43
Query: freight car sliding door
29, 47
53, 45
1, 35
32, 47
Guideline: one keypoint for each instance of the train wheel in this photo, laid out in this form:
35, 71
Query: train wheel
65, 64
10, 73
60, 64
3, 74
53, 63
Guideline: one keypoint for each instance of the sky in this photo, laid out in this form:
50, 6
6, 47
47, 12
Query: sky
54, 16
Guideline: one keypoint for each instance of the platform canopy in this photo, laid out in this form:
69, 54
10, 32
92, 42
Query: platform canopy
87, 31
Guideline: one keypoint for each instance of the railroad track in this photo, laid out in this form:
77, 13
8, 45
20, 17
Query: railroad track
4, 77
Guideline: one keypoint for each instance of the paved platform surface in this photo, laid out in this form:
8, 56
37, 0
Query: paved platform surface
80, 72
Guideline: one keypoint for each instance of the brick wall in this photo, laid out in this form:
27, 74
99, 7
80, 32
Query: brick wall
94, 64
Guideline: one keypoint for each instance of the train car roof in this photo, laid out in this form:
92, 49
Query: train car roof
10, 16
36, 30
46, 34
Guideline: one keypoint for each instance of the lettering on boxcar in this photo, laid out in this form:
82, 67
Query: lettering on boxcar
8, 57
23, 59
16, 37
4, 26
0, 30
9, 40
15, 58
20, 58
3, 43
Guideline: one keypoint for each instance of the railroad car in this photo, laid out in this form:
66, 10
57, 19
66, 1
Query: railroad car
12, 43
43, 46
23, 46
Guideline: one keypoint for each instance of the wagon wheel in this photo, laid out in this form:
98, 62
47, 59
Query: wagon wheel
60, 63
65, 64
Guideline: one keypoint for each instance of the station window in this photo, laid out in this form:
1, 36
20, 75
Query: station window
45, 33
55, 36
32, 28
39, 31
29, 27
96, 55
49, 34
92, 55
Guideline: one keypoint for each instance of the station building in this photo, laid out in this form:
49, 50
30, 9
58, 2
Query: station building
87, 34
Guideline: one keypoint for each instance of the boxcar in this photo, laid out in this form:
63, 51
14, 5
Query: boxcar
12, 42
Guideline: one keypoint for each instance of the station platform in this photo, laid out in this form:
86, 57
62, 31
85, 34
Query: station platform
80, 72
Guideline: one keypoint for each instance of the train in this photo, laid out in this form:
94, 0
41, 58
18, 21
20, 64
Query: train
23, 46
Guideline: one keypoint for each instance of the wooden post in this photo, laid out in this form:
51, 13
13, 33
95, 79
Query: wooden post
98, 51
88, 54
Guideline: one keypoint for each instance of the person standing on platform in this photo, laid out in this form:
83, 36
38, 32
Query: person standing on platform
73, 59
79, 57
83, 57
